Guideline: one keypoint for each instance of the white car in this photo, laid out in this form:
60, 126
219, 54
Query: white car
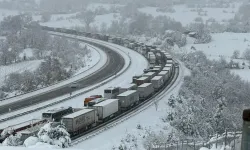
74, 85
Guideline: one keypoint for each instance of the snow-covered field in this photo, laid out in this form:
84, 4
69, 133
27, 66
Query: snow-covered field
224, 44
18, 68
243, 73
95, 6
5, 13
184, 14
70, 23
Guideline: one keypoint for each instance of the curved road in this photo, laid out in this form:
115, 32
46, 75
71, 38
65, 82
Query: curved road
114, 64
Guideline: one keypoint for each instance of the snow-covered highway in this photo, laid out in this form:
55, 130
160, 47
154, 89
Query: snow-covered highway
134, 64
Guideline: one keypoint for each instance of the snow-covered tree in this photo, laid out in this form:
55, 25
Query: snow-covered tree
54, 135
171, 101
51, 71
45, 17
236, 54
87, 17
203, 35
246, 54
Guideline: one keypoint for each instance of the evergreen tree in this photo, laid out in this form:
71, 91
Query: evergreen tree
171, 101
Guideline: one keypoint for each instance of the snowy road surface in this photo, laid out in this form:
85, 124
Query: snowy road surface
138, 64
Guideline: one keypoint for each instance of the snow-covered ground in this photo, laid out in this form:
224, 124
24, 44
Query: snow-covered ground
18, 67
5, 13
223, 45
39, 147
243, 73
67, 22
149, 118
94, 6
183, 10
138, 64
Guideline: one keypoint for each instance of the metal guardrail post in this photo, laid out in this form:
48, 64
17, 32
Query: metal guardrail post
226, 138
234, 140
194, 144
216, 143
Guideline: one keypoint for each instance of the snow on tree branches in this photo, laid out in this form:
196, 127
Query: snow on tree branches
54, 135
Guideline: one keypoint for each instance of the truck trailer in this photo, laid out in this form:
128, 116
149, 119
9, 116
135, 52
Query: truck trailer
164, 74
80, 121
106, 109
127, 87
145, 90
157, 82
128, 99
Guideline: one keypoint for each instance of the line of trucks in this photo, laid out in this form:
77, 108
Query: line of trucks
116, 100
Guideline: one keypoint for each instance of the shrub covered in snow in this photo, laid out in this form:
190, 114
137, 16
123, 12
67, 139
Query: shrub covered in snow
12, 140
31, 141
54, 135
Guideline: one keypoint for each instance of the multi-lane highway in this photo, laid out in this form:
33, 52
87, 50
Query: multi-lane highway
114, 64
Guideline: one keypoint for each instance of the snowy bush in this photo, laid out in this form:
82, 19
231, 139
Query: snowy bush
31, 141
174, 37
12, 140
45, 17
203, 35
54, 135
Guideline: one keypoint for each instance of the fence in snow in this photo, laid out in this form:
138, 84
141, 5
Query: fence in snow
227, 139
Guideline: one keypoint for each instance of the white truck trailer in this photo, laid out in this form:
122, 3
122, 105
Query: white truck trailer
106, 109
127, 87
157, 82
80, 121
164, 74
145, 90
128, 99
149, 74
